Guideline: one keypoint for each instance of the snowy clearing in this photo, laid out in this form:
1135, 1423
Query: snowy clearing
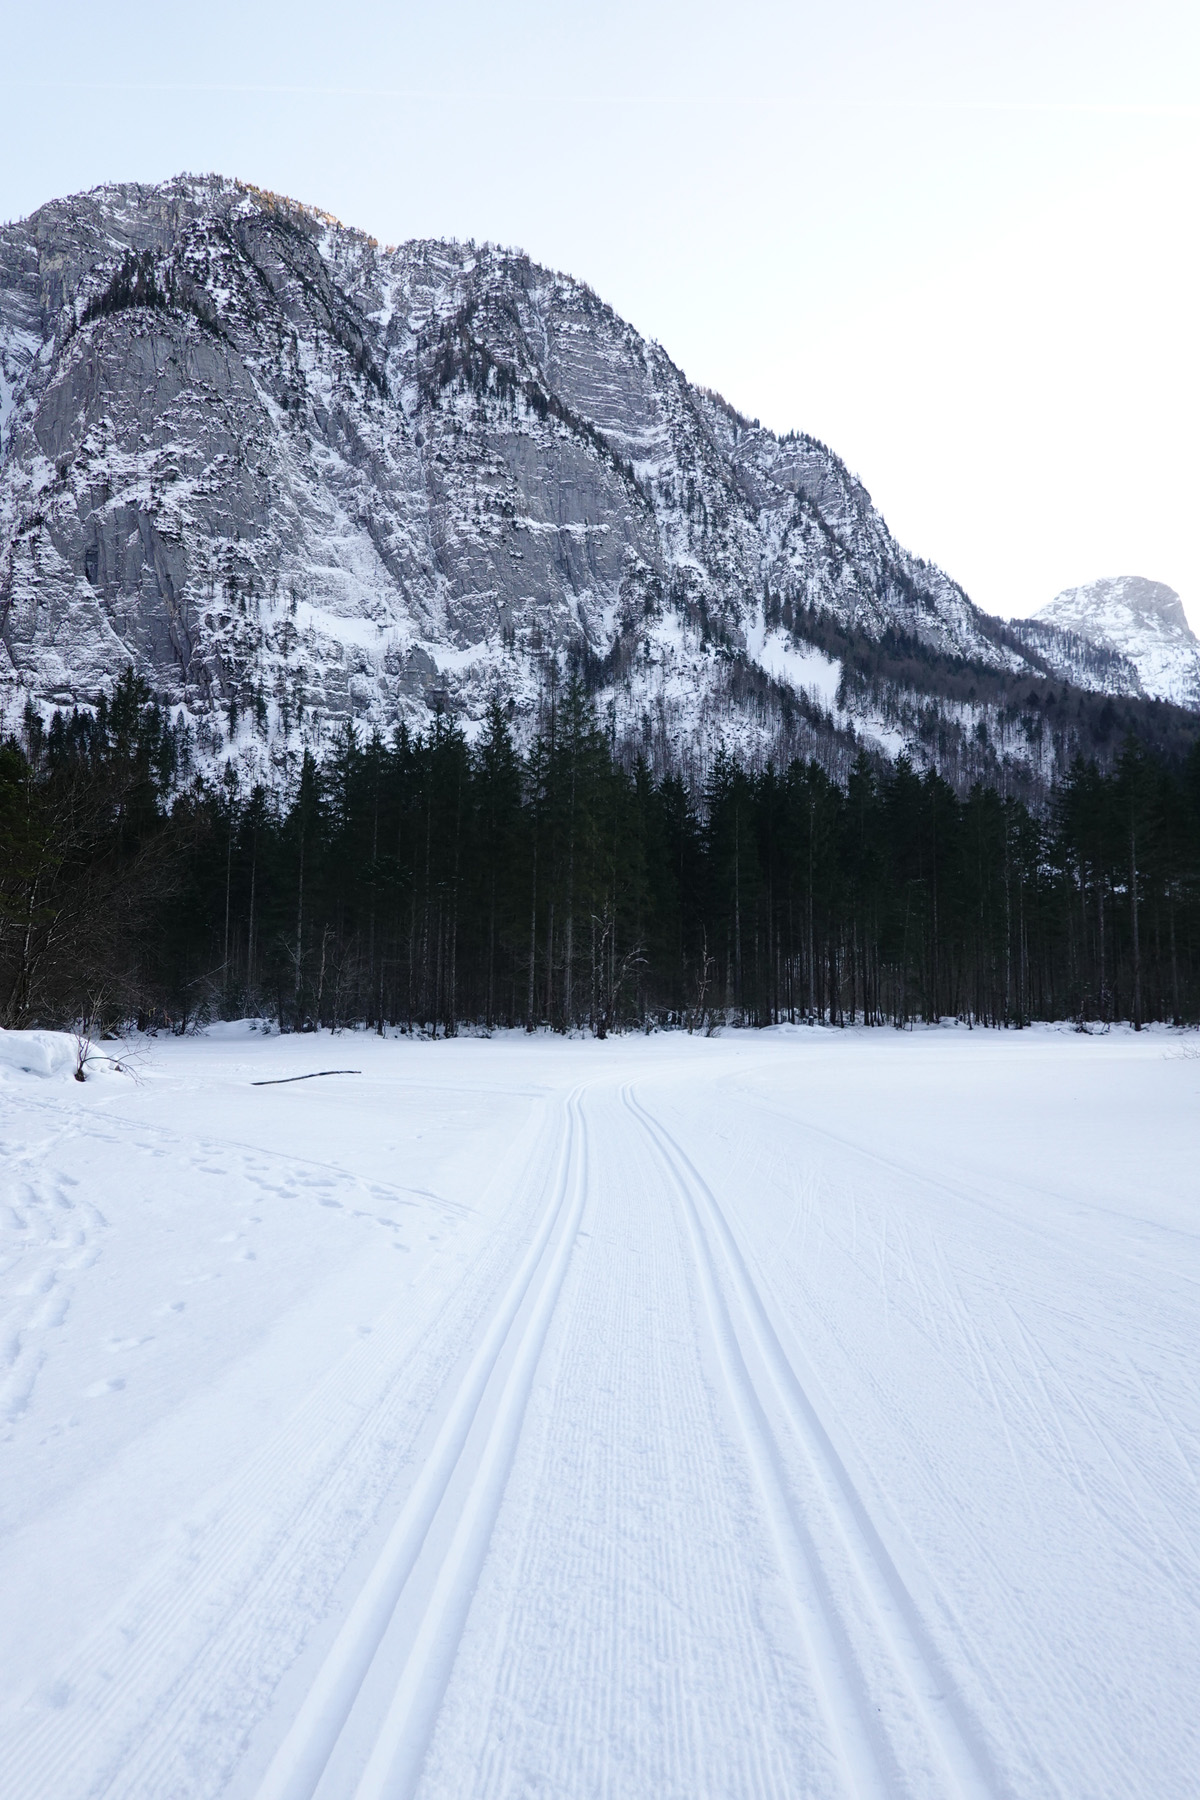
786, 1414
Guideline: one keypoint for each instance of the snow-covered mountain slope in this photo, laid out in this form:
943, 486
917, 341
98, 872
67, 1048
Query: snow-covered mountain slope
1141, 622
300, 479
1080, 660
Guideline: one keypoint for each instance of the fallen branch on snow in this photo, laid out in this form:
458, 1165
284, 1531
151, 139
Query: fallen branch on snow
282, 1080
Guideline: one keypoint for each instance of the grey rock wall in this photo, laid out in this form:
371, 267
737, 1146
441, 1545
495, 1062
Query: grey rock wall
298, 479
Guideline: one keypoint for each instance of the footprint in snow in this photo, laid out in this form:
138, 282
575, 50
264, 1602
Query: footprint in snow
39, 1284
99, 1388
53, 1311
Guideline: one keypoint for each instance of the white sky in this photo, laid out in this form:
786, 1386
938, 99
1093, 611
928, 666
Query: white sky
957, 241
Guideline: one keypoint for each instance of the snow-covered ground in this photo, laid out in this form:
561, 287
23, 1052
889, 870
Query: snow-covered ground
786, 1414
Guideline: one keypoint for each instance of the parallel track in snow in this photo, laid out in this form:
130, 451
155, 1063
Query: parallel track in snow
454, 1500
904, 1666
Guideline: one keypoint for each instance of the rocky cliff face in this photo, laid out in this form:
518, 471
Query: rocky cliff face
1142, 623
298, 479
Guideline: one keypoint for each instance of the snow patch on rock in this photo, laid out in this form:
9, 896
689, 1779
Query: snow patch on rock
1142, 621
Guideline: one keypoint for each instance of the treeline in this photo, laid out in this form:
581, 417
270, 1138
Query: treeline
430, 884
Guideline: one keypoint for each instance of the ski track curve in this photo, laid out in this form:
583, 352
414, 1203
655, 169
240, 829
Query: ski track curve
894, 1658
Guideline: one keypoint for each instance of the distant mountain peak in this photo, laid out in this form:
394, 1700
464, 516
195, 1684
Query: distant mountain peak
1141, 620
1094, 609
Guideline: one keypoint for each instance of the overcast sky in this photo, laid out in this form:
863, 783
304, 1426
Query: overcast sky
957, 241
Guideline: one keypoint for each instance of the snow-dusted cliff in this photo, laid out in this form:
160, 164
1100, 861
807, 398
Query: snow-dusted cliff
298, 479
1143, 623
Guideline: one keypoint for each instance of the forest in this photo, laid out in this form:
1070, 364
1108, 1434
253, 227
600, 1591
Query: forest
426, 883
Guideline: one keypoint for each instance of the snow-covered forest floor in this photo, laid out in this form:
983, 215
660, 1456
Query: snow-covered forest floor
797, 1413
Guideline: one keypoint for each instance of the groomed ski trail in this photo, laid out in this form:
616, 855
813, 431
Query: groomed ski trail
881, 1710
459, 1489
942, 1757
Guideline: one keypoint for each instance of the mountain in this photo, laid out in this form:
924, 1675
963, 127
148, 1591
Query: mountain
1140, 624
297, 479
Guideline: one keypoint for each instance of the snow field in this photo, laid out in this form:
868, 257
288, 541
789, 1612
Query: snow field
786, 1413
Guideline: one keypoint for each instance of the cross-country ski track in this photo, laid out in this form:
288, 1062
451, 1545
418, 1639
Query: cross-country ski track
793, 1414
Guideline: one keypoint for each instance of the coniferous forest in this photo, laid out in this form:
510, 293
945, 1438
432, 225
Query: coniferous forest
424, 883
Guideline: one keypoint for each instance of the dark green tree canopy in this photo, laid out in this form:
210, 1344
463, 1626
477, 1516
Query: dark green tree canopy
431, 883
